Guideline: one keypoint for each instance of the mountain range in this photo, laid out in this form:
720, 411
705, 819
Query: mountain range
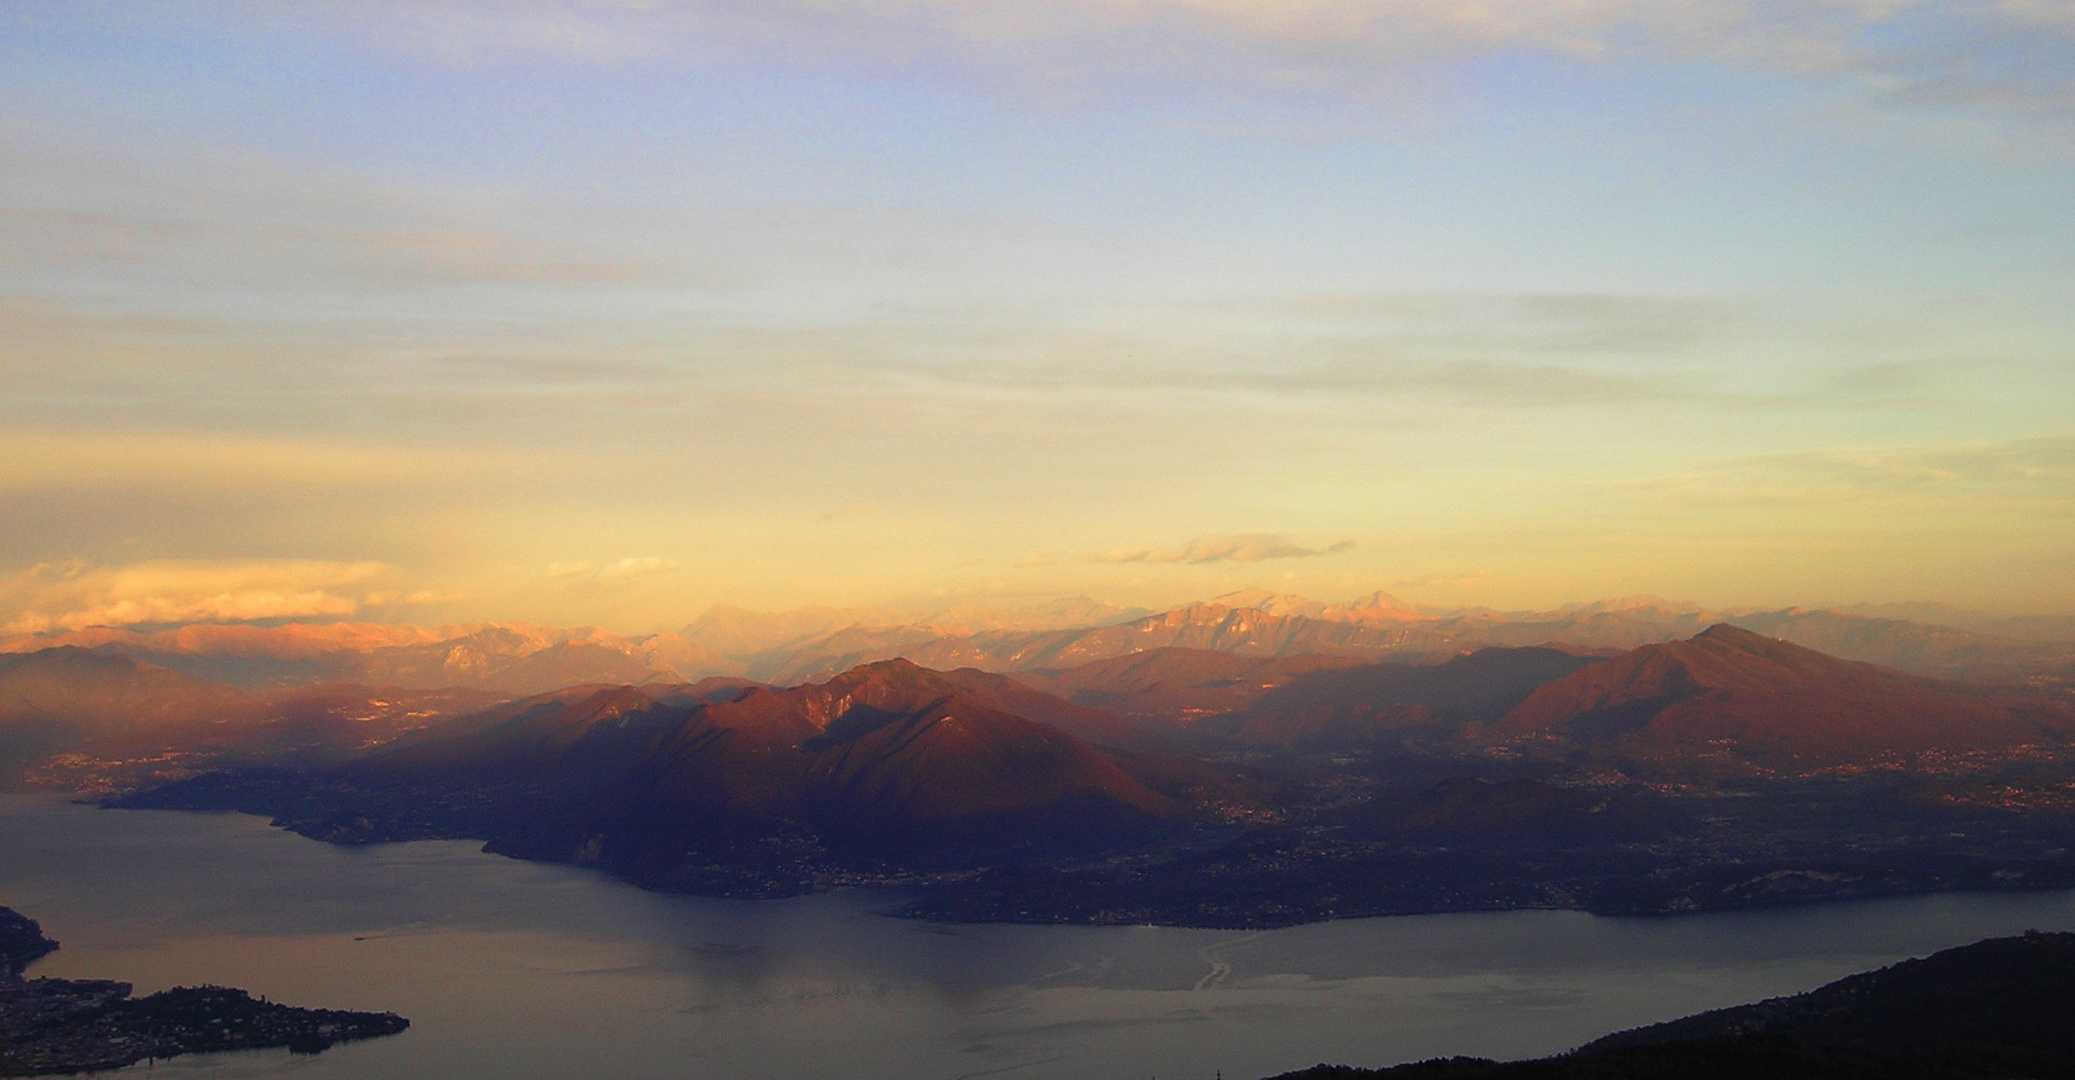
1263, 760
1321, 702
1209, 788
818, 643
93, 722
1732, 702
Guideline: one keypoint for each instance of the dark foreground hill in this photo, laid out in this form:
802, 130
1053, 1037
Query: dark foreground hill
2001, 1008
21, 942
2014, 992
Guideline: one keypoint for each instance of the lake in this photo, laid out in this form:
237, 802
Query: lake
519, 970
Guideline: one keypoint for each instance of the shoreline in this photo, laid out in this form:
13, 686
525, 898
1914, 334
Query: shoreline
948, 899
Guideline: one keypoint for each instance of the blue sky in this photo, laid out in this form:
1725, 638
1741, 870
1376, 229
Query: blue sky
404, 311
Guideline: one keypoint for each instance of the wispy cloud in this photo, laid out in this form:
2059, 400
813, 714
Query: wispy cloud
76, 595
631, 568
855, 510
2006, 53
1249, 547
1443, 580
2038, 473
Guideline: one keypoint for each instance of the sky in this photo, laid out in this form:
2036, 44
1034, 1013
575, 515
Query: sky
602, 313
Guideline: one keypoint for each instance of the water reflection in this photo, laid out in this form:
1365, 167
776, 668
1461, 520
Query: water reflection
513, 969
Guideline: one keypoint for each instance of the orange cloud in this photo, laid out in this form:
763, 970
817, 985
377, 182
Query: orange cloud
631, 568
1250, 547
76, 595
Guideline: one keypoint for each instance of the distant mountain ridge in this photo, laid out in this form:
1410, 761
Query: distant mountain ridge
1742, 703
818, 643
58, 699
1309, 701
87, 721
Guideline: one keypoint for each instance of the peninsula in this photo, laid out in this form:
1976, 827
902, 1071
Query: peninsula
51, 1026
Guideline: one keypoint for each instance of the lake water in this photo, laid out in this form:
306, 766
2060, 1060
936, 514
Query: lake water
519, 970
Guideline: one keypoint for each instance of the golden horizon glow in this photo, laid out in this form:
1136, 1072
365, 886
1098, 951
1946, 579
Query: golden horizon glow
598, 314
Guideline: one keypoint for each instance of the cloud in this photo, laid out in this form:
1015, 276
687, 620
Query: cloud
1430, 581
631, 568
56, 459
76, 595
2036, 475
1249, 547
2003, 53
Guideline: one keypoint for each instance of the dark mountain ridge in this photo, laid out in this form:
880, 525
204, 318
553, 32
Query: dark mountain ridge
1998, 1009
2014, 991
22, 942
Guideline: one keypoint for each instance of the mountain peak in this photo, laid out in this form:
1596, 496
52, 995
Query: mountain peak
1728, 698
1378, 606
1736, 637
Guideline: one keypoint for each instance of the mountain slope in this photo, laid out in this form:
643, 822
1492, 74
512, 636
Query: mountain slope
1993, 1010
2011, 992
1173, 687
572, 739
956, 758
888, 741
1516, 814
56, 699
1919, 648
1353, 707
1318, 702
1734, 702
1098, 726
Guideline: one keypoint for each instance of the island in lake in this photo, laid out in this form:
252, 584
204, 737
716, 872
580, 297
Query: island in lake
50, 1026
